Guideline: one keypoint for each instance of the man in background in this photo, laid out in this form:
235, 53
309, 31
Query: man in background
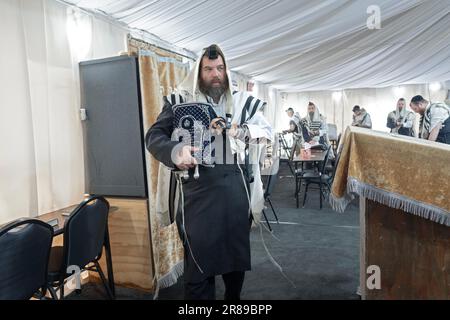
401, 120
316, 126
361, 118
290, 112
434, 121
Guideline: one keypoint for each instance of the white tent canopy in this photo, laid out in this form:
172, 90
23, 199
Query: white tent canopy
304, 45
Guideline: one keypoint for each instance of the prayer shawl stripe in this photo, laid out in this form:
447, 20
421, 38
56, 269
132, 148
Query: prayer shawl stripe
254, 108
244, 110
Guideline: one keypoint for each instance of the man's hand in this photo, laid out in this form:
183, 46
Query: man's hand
182, 157
435, 132
217, 125
233, 131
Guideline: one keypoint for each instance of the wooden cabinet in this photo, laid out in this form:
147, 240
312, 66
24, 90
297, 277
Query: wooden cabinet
130, 244
413, 254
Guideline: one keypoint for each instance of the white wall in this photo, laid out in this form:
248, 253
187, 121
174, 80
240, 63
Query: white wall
41, 145
377, 101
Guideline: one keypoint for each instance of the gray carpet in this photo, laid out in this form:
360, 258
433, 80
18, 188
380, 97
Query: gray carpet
318, 251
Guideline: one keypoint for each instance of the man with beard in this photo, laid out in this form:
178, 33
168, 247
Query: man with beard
215, 216
434, 121
316, 126
401, 120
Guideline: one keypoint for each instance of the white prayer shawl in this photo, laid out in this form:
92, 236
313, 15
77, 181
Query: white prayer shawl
407, 118
318, 122
435, 113
363, 119
296, 118
258, 126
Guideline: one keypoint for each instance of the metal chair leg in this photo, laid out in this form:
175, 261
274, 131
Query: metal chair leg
273, 210
299, 190
109, 263
320, 195
53, 293
306, 192
267, 220
104, 281
61, 290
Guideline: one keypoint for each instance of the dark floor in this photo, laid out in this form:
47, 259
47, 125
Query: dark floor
318, 251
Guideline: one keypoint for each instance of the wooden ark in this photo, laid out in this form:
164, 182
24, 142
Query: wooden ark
413, 254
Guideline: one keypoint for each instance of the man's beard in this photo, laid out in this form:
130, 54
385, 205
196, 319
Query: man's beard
211, 91
311, 115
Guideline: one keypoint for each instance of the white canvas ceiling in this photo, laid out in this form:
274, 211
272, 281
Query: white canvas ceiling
304, 45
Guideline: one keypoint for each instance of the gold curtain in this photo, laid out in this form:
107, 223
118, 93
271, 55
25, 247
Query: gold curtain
159, 76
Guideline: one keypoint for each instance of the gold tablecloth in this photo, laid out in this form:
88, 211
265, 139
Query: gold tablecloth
401, 172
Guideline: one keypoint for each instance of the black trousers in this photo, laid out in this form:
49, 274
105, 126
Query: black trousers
206, 289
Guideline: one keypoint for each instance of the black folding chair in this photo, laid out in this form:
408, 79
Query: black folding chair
319, 178
336, 163
268, 190
85, 235
24, 251
289, 151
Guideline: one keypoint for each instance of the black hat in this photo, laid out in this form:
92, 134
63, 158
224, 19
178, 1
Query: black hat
290, 109
356, 108
212, 52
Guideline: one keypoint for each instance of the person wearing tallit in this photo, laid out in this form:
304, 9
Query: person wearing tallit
401, 120
216, 212
294, 119
316, 126
361, 118
435, 119
295, 127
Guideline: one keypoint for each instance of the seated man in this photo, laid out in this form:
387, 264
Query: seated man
316, 126
401, 120
434, 121
361, 118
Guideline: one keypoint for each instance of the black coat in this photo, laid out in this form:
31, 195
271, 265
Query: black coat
216, 210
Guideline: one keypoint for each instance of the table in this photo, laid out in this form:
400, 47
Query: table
404, 187
315, 156
61, 215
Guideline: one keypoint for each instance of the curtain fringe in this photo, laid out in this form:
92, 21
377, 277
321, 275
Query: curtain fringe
390, 199
170, 278
340, 204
